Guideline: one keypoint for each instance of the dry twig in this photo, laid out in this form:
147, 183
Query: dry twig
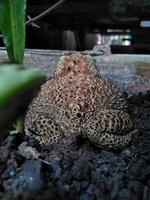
35, 19
49, 10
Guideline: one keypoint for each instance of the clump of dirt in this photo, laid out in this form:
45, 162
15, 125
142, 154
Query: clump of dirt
77, 170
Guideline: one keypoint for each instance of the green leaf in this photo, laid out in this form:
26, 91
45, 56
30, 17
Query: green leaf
12, 26
17, 86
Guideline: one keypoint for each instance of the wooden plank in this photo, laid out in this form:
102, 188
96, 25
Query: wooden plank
130, 73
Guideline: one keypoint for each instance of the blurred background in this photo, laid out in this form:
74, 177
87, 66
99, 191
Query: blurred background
80, 24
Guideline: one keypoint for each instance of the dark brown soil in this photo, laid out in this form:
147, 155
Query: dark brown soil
77, 170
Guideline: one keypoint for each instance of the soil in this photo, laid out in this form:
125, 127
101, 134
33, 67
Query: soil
77, 170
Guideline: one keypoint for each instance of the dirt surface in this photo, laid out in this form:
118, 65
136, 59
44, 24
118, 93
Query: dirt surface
77, 170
